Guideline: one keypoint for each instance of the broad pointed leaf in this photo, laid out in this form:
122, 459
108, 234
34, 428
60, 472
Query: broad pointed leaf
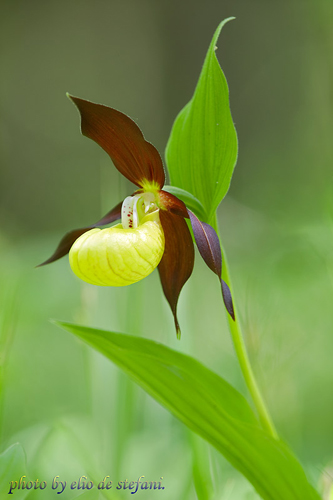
121, 138
209, 406
202, 149
67, 241
177, 262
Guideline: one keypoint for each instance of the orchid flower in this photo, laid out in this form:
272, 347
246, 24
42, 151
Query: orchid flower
152, 232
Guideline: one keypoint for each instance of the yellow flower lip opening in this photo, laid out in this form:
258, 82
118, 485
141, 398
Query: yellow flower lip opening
125, 253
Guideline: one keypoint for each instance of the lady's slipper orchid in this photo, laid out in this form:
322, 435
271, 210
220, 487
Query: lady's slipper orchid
153, 231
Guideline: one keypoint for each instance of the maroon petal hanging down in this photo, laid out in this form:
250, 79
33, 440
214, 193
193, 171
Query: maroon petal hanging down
121, 138
177, 262
209, 247
67, 241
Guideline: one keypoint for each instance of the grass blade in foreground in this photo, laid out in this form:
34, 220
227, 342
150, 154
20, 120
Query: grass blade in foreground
12, 468
209, 406
202, 149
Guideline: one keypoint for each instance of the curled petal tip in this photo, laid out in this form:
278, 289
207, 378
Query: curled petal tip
178, 331
48, 261
209, 247
227, 299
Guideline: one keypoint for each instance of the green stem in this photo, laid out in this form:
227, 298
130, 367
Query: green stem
243, 358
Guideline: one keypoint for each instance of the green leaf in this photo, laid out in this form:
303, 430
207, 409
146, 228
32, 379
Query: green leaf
12, 468
202, 149
209, 406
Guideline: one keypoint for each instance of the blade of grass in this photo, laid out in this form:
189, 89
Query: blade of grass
202, 471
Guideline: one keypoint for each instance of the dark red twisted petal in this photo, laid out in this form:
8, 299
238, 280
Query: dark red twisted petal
67, 241
177, 262
173, 204
122, 139
209, 247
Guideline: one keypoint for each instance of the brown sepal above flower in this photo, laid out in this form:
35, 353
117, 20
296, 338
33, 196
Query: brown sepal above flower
121, 138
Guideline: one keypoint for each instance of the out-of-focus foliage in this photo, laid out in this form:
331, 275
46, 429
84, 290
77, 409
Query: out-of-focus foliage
144, 58
12, 468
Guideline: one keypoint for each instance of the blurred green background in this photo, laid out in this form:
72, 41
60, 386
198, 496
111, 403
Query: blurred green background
73, 412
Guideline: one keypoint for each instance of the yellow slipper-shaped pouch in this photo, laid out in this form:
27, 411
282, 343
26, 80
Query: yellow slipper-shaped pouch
116, 256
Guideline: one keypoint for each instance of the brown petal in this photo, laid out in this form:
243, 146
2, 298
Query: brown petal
177, 262
122, 139
209, 247
69, 238
173, 204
